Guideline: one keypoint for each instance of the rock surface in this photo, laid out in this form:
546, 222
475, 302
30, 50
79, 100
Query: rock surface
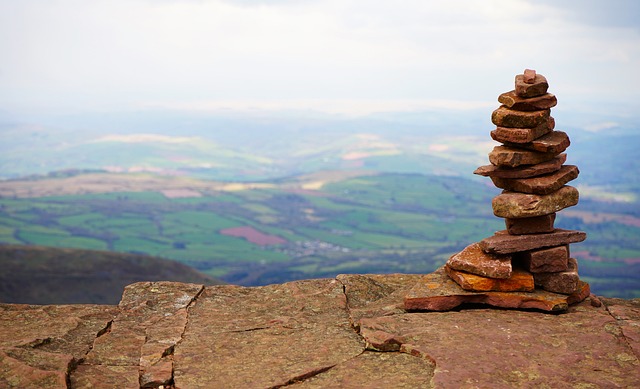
513, 101
542, 185
520, 281
510, 118
531, 225
523, 135
503, 243
504, 156
553, 142
538, 87
516, 205
525, 171
473, 260
300, 334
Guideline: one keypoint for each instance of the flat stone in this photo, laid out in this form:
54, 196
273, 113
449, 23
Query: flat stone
554, 259
538, 88
40, 344
489, 348
373, 369
503, 243
265, 337
531, 225
516, 205
565, 282
473, 260
504, 156
541, 185
506, 117
627, 313
438, 292
31, 368
529, 76
513, 101
523, 171
553, 142
523, 135
372, 295
105, 376
520, 281
150, 323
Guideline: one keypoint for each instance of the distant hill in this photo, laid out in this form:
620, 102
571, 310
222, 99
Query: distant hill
47, 275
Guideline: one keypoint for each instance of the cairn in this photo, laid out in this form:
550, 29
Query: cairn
528, 264
529, 166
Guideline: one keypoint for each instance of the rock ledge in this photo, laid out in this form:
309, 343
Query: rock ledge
348, 332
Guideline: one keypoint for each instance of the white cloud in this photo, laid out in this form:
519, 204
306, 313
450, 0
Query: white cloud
78, 53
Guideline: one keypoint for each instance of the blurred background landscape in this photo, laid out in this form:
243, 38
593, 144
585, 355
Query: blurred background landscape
260, 142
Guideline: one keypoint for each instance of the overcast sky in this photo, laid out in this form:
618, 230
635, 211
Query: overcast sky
344, 56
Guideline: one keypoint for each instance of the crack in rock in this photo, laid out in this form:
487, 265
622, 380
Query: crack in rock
303, 377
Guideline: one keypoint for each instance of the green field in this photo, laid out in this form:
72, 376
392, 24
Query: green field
366, 224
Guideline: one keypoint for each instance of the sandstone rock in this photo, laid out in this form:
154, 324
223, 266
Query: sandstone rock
520, 281
516, 205
513, 101
553, 142
503, 243
627, 314
529, 76
267, 336
565, 282
142, 336
473, 260
538, 88
39, 345
531, 225
503, 156
523, 135
554, 259
523, 171
376, 370
30, 368
541, 185
487, 348
438, 292
372, 295
505, 117
299, 335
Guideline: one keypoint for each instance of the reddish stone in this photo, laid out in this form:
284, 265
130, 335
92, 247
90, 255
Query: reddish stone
537, 88
541, 185
520, 281
531, 225
583, 291
529, 76
473, 260
523, 171
438, 292
565, 282
505, 117
516, 205
503, 243
523, 135
513, 101
510, 157
554, 259
553, 142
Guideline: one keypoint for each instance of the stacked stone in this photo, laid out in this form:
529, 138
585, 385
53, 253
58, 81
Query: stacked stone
529, 166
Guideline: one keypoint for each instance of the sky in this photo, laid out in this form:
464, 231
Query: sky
350, 57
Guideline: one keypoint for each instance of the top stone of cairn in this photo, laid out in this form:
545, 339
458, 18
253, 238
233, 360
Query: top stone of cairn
531, 84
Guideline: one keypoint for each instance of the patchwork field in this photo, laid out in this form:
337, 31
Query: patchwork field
310, 226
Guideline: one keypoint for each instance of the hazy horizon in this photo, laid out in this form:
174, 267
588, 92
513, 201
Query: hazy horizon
338, 57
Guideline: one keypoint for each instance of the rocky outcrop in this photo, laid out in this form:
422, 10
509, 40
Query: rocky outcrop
348, 332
